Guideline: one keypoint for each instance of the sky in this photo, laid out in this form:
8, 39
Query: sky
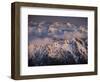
75, 20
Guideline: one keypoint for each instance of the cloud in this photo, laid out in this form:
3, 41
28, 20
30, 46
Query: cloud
30, 30
40, 25
58, 30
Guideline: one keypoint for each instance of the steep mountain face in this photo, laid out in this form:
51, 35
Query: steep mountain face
69, 52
